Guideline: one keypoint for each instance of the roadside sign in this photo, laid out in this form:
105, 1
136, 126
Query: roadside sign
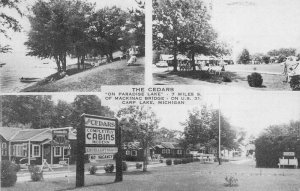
101, 157
101, 150
60, 137
100, 138
291, 154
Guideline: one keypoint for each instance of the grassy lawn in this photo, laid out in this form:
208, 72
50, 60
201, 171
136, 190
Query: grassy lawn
271, 74
192, 176
116, 73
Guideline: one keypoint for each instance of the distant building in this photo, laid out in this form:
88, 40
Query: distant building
169, 150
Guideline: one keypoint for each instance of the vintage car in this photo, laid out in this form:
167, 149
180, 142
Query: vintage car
161, 63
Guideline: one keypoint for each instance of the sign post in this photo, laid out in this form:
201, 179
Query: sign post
99, 137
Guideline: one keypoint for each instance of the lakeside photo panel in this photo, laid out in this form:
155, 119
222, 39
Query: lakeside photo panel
51, 46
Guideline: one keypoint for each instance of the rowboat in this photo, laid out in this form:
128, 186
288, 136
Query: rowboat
29, 80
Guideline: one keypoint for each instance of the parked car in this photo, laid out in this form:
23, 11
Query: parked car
161, 64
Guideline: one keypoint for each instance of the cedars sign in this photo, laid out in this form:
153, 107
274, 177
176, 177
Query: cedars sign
100, 131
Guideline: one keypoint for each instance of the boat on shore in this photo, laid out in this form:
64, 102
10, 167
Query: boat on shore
29, 80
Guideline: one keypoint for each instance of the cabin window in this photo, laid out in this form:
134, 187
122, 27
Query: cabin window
168, 151
179, 152
18, 150
36, 150
133, 153
163, 151
127, 152
4, 149
57, 151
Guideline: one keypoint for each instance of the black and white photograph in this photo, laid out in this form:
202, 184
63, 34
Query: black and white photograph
222, 143
67, 45
250, 44
150, 95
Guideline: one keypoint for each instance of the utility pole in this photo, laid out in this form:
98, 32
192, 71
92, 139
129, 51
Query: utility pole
219, 131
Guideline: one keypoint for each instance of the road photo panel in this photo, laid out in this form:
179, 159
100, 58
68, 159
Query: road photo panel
231, 43
144, 138
66, 45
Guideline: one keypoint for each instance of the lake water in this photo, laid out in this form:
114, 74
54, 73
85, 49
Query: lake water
19, 65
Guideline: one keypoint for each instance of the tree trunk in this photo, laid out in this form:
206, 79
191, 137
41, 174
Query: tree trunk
193, 60
175, 64
57, 64
78, 63
145, 159
111, 56
82, 61
63, 59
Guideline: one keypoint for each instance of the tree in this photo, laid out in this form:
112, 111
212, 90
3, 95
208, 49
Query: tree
57, 29
200, 37
88, 104
138, 123
166, 135
79, 24
202, 127
8, 22
244, 58
107, 28
34, 111
168, 26
135, 28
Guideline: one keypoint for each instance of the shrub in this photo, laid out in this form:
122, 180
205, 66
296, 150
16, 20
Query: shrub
226, 79
185, 161
295, 83
177, 161
203, 74
109, 168
36, 173
124, 166
138, 166
161, 160
231, 181
255, 80
93, 169
8, 174
169, 162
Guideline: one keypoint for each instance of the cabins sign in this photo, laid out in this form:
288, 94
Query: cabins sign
99, 138
100, 131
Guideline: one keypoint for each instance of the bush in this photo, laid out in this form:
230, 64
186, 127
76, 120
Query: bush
169, 162
295, 83
226, 79
36, 173
138, 166
8, 174
161, 160
231, 181
124, 166
109, 168
203, 74
93, 169
177, 161
255, 80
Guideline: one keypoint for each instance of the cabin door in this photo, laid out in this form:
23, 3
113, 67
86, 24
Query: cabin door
47, 153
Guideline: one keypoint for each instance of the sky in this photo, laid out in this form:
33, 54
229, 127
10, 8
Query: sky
258, 25
252, 111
